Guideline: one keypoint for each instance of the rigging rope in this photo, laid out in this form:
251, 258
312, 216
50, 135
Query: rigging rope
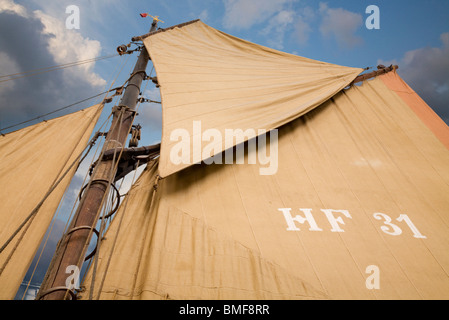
60, 109
93, 141
30, 73
96, 151
102, 201
108, 262
120, 68
98, 134
95, 264
38, 206
113, 169
101, 155
73, 104
72, 208
86, 244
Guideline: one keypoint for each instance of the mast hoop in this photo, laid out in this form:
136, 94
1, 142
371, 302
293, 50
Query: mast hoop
90, 255
70, 291
117, 205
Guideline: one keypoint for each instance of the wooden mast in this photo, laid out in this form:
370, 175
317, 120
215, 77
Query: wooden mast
72, 247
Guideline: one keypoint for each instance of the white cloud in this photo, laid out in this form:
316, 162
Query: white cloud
426, 70
41, 40
88, 9
68, 46
277, 26
302, 25
65, 45
242, 14
10, 5
341, 24
95, 16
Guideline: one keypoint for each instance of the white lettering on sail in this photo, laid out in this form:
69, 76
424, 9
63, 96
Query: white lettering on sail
291, 220
394, 231
416, 233
336, 222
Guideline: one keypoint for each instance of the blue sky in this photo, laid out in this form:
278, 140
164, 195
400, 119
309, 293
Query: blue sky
413, 34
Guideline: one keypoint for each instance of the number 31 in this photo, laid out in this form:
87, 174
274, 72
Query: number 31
393, 229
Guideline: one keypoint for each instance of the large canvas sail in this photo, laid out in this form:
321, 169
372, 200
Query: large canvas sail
361, 188
32, 160
228, 83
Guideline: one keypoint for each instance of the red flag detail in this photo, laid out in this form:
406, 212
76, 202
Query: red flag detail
144, 15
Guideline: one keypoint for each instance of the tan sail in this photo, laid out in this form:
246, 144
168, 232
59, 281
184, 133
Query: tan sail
418, 105
228, 83
358, 209
31, 161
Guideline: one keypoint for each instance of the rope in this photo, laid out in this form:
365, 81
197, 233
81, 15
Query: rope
114, 242
53, 187
60, 109
94, 139
73, 104
96, 218
85, 178
95, 266
101, 153
102, 229
102, 201
36, 209
94, 156
97, 135
101, 207
113, 169
30, 73
110, 221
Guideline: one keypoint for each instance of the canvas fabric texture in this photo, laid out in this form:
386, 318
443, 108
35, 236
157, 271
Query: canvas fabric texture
228, 83
31, 161
217, 231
